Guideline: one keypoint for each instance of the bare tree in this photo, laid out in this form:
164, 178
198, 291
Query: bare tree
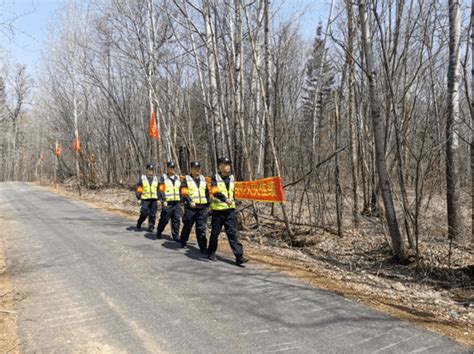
472, 118
452, 116
379, 132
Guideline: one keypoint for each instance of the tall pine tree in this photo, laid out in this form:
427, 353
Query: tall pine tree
316, 95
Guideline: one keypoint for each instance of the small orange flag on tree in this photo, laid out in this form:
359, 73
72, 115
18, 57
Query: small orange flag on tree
57, 150
153, 130
77, 144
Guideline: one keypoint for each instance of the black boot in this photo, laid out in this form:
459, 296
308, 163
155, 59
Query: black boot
241, 260
212, 257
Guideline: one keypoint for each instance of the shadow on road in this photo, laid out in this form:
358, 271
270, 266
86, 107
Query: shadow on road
194, 253
133, 228
150, 236
171, 244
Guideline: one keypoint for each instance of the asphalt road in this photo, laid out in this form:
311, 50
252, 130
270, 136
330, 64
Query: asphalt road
87, 284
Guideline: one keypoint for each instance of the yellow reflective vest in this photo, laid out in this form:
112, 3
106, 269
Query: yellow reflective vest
197, 193
229, 194
149, 191
171, 189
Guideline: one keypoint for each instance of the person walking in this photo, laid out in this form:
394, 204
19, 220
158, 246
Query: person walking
195, 197
147, 193
223, 211
169, 195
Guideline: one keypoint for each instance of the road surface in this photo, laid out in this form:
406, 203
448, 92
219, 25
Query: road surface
88, 284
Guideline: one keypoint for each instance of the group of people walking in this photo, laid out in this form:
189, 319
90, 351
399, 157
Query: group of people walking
193, 192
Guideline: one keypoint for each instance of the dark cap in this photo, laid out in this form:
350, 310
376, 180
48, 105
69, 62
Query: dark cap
195, 164
150, 166
223, 159
170, 164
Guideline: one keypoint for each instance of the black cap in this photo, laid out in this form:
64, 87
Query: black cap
170, 164
195, 164
223, 159
150, 166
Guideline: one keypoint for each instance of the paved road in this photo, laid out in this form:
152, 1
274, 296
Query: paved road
88, 284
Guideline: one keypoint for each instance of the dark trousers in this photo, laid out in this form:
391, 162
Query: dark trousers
148, 210
171, 211
198, 216
228, 219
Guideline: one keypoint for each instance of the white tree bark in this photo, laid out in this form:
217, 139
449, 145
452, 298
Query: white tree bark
212, 67
452, 116
379, 136
472, 119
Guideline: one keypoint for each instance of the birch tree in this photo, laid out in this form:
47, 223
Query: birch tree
379, 137
452, 116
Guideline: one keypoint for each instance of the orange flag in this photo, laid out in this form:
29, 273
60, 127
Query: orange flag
57, 150
77, 144
153, 130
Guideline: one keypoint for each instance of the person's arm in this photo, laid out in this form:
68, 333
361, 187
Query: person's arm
208, 195
185, 193
161, 191
215, 191
139, 189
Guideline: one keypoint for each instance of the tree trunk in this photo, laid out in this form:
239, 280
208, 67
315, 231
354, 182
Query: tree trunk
76, 136
268, 159
379, 137
336, 169
351, 112
238, 107
472, 120
213, 93
452, 115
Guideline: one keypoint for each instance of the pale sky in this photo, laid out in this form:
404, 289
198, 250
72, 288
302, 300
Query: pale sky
33, 17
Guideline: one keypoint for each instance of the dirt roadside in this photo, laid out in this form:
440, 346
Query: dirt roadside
9, 340
386, 295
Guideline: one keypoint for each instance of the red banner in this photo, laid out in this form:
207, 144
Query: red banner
261, 190
153, 130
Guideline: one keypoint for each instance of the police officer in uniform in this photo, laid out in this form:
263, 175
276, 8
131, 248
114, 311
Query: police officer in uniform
223, 211
170, 199
195, 196
147, 192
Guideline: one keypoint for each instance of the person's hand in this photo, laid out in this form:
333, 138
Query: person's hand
192, 205
165, 204
139, 201
228, 202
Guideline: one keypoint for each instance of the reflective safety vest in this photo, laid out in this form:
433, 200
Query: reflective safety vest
229, 194
171, 190
149, 192
197, 193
